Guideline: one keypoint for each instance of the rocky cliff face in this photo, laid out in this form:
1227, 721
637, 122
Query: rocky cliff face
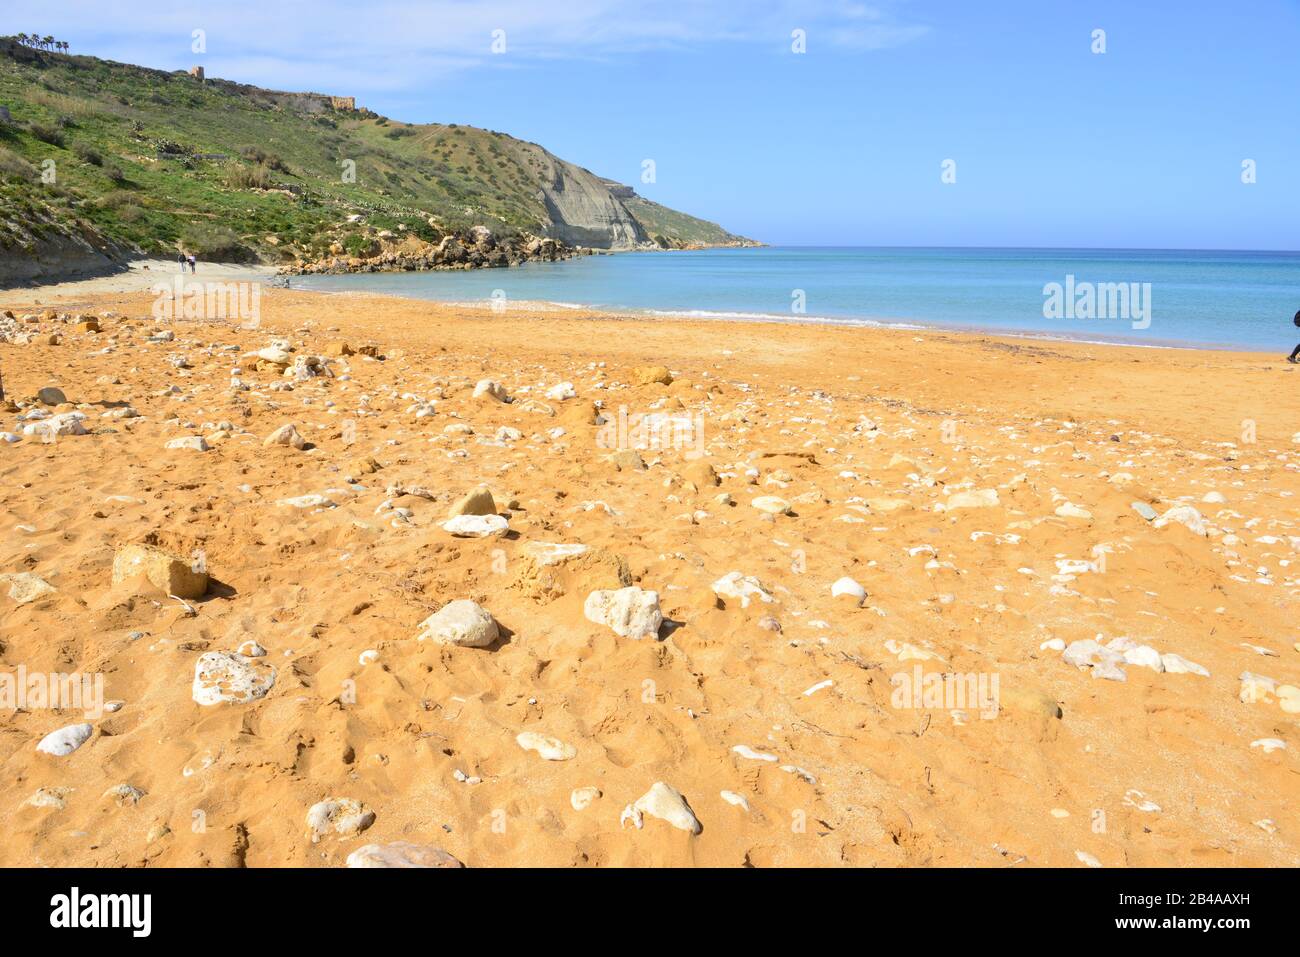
584, 210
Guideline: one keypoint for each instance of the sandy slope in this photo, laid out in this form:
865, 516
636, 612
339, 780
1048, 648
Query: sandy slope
856, 779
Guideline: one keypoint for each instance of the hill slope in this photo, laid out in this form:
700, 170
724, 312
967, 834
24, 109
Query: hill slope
144, 161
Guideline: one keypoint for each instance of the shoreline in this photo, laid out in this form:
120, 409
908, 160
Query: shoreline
143, 274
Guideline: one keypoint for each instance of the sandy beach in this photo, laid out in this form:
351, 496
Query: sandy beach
1102, 540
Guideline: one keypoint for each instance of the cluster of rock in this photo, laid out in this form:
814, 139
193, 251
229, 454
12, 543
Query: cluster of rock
473, 249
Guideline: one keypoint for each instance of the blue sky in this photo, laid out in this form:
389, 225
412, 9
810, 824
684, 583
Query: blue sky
1054, 145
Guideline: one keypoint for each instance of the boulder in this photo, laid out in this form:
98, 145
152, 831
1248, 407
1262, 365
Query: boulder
164, 571
477, 502
460, 622
630, 612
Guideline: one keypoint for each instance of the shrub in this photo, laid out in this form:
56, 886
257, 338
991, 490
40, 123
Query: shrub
46, 134
90, 156
244, 177
215, 243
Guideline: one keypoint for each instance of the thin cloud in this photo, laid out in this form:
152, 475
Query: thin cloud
396, 45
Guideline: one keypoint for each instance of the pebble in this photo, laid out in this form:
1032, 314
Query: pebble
65, 740
666, 803
551, 749
401, 854
342, 817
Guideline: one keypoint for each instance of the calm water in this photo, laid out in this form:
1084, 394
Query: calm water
1209, 299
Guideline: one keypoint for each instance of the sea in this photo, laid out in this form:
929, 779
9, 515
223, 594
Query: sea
1151, 297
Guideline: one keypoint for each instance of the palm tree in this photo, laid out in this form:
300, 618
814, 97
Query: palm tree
64, 44
48, 42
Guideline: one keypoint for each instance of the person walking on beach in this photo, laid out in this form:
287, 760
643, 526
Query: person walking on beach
1296, 351
193, 264
180, 258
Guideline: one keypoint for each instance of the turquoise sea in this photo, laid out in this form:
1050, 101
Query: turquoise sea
1206, 299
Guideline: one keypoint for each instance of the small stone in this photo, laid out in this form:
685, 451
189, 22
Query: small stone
771, 505
667, 804
24, 587
55, 798
650, 375
342, 817
193, 443
477, 502
631, 612
731, 797
124, 795
848, 588
51, 396
476, 526
286, 434
552, 749
401, 854
581, 798
980, 498
65, 740
1145, 510
734, 585
460, 622
221, 676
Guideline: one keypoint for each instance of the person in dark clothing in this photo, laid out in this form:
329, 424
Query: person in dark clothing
1296, 351
181, 259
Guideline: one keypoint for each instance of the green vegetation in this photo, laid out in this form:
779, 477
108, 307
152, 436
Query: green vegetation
149, 159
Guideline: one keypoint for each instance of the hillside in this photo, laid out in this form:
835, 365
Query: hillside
145, 161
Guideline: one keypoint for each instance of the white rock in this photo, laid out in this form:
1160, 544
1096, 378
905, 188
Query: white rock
631, 612
308, 501
488, 389
1178, 665
222, 676
580, 798
476, 526
24, 587
771, 504
460, 622
343, 817
1269, 745
65, 740
745, 751
1184, 515
980, 498
1104, 662
731, 797
401, 854
288, 435
552, 749
740, 587
194, 443
558, 393
1072, 511
847, 587
667, 804
65, 423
